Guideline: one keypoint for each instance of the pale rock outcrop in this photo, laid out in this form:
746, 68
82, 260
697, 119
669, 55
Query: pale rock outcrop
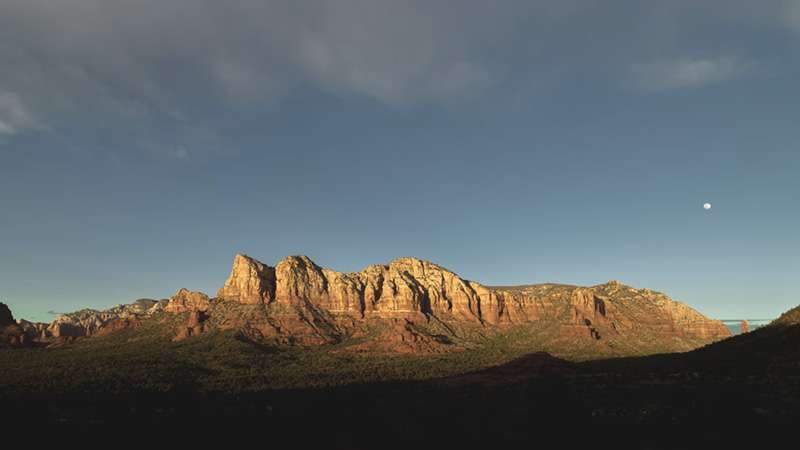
297, 277
404, 286
411, 284
88, 322
250, 282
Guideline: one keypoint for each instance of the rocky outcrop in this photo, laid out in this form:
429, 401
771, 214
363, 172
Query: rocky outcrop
412, 305
186, 300
404, 286
302, 302
88, 322
194, 326
250, 282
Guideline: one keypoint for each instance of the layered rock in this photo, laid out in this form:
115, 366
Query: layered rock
186, 300
250, 282
305, 303
404, 286
414, 305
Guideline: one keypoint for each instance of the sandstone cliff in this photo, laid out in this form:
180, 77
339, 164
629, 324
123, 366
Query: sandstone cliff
185, 300
249, 282
411, 305
415, 303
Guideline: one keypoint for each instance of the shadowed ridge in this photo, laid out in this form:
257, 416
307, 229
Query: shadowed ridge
789, 318
6, 318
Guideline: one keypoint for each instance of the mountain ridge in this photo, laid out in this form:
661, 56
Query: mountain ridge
409, 305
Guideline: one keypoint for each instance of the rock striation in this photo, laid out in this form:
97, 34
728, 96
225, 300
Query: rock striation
406, 286
411, 305
250, 282
419, 302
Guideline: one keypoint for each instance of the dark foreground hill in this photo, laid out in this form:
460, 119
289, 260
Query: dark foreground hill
723, 394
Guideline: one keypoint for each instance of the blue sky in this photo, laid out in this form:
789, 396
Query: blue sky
143, 145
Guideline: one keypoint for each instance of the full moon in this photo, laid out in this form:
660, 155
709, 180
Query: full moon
706, 206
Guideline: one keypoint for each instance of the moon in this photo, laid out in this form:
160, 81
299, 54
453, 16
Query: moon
706, 206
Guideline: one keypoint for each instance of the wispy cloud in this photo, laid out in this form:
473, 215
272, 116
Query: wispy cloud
15, 116
686, 72
179, 152
140, 61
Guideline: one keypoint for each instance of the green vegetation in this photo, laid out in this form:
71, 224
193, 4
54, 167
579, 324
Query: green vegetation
146, 359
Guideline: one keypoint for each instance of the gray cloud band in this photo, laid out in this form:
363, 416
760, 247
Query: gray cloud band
134, 58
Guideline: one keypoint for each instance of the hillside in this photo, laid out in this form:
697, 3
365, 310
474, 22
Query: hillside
408, 306
276, 353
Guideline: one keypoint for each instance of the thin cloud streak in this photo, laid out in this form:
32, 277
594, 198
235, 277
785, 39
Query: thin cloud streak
687, 72
15, 116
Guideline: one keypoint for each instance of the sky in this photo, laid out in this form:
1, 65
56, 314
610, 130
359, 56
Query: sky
143, 143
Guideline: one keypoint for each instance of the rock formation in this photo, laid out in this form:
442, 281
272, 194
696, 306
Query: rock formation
186, 300
6, 318
411, 305
116, 325
88, 322
404, 286
194, 326
304, 303
250, 282
34, 330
